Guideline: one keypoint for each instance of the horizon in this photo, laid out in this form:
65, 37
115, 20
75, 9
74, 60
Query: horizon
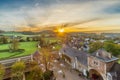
80, 15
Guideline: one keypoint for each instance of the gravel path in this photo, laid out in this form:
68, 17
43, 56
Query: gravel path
63, 68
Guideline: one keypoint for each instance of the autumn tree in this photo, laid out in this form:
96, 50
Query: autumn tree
36, 72
45, 52
18, 70
2, 71
46, 57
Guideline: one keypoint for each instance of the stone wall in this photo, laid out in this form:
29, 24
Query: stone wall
98, 65
109, 65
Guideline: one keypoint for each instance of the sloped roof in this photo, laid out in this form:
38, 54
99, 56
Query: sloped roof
81, 56
104, 55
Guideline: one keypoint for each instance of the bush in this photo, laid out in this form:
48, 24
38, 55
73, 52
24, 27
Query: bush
21, 40
48, 75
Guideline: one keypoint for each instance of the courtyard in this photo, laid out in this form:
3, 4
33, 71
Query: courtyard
63, 71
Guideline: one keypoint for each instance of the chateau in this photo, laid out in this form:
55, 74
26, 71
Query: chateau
100, 65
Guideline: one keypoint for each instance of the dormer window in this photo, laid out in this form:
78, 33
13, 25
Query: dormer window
96, 63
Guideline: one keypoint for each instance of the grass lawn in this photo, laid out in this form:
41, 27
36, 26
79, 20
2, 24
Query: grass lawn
58, 46
29, 47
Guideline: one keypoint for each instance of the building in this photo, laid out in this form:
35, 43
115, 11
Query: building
100, 65
78, 59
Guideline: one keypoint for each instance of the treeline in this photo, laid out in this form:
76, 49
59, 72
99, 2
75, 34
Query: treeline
109, 46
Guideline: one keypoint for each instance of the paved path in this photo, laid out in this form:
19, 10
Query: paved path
69, 74
9, 62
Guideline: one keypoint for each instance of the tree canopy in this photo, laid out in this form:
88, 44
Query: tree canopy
108, 46
2, 71
18, 70
95, 46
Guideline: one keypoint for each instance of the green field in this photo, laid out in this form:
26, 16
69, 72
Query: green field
29, 47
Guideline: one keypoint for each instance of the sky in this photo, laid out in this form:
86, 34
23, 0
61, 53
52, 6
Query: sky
37, 15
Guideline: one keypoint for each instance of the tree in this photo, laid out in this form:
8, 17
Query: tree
18, 69
42, 42
2, 71
94, 46
32, 64
45, 54
4, 39
109, 46
28, 39
15, 45
46, 57
112, 48
48, 75
36, 72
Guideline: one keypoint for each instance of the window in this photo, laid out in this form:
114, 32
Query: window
96, 63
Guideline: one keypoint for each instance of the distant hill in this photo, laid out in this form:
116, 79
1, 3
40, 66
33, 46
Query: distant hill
27, 33
1, 31
46, 32
11, 33
23, 33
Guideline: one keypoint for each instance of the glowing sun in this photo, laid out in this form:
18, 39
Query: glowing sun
61, 30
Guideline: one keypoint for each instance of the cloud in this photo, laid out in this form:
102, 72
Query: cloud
113, 9
45, 13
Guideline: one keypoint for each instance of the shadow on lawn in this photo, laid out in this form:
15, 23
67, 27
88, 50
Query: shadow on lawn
11, 51
5, 50
19, 51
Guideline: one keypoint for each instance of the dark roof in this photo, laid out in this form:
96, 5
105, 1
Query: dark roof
81, 56
104, 55
115, 71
